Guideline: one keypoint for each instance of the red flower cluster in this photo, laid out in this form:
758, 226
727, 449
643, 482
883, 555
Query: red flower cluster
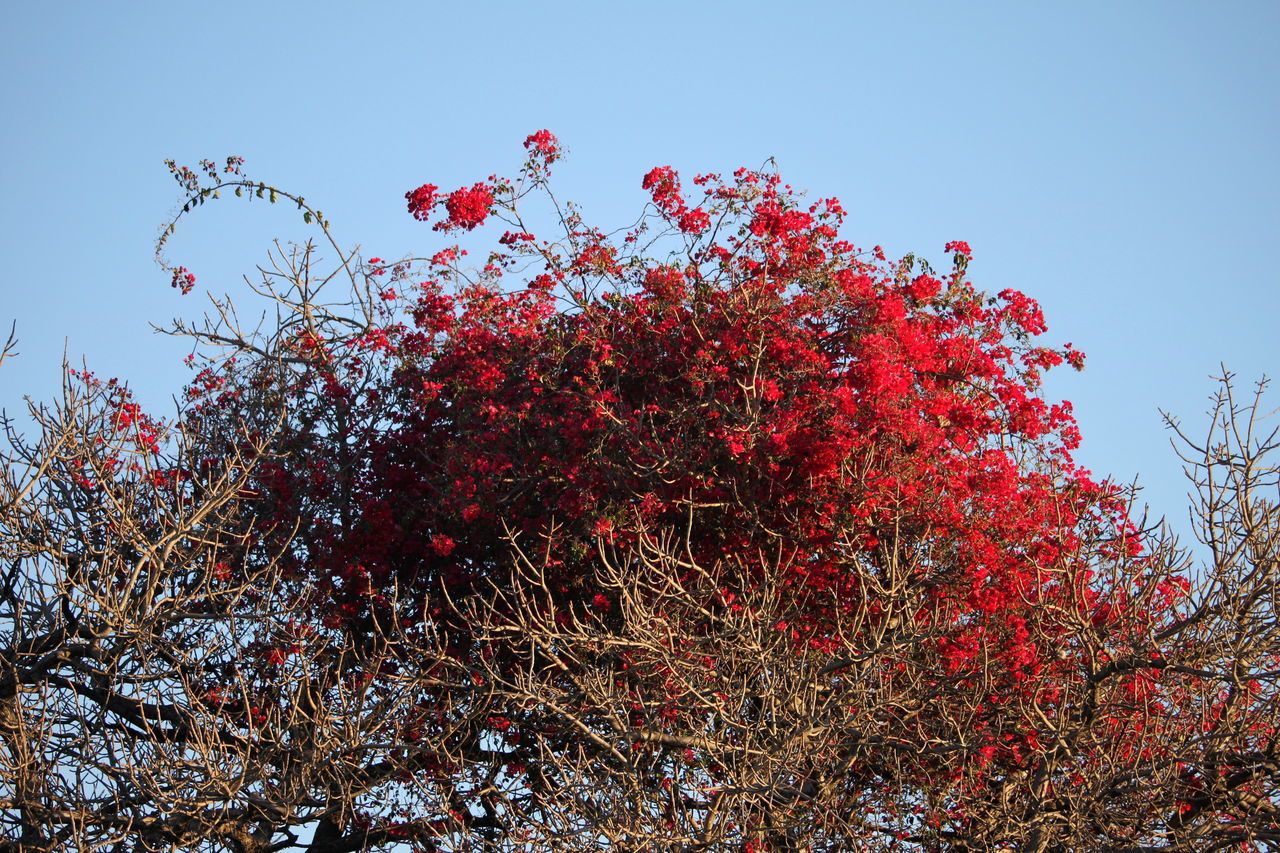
421, 201
794, 389
468, 207
664, 185
544, 145
767, 390
183, 279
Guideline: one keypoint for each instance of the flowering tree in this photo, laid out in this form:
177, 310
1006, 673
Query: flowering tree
714, 533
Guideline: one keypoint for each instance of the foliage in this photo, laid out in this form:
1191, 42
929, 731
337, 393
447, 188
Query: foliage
715, 533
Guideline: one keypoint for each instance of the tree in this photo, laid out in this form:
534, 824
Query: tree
715, 533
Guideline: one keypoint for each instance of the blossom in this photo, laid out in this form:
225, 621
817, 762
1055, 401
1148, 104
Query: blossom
183, 279
797, 392
925, 287
694, 221
442, 545
421, 201
543, 144
468, 207
663, 185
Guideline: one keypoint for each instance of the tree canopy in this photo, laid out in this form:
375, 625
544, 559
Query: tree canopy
717, 532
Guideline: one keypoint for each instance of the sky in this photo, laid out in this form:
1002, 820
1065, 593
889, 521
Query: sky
1115, 161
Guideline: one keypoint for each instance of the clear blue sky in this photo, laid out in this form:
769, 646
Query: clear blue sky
1117, 161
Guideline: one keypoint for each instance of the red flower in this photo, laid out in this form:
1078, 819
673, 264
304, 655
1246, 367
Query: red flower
183, 279
543, 144
695, 221
468, 207
421, 201
663, 184
925, 287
